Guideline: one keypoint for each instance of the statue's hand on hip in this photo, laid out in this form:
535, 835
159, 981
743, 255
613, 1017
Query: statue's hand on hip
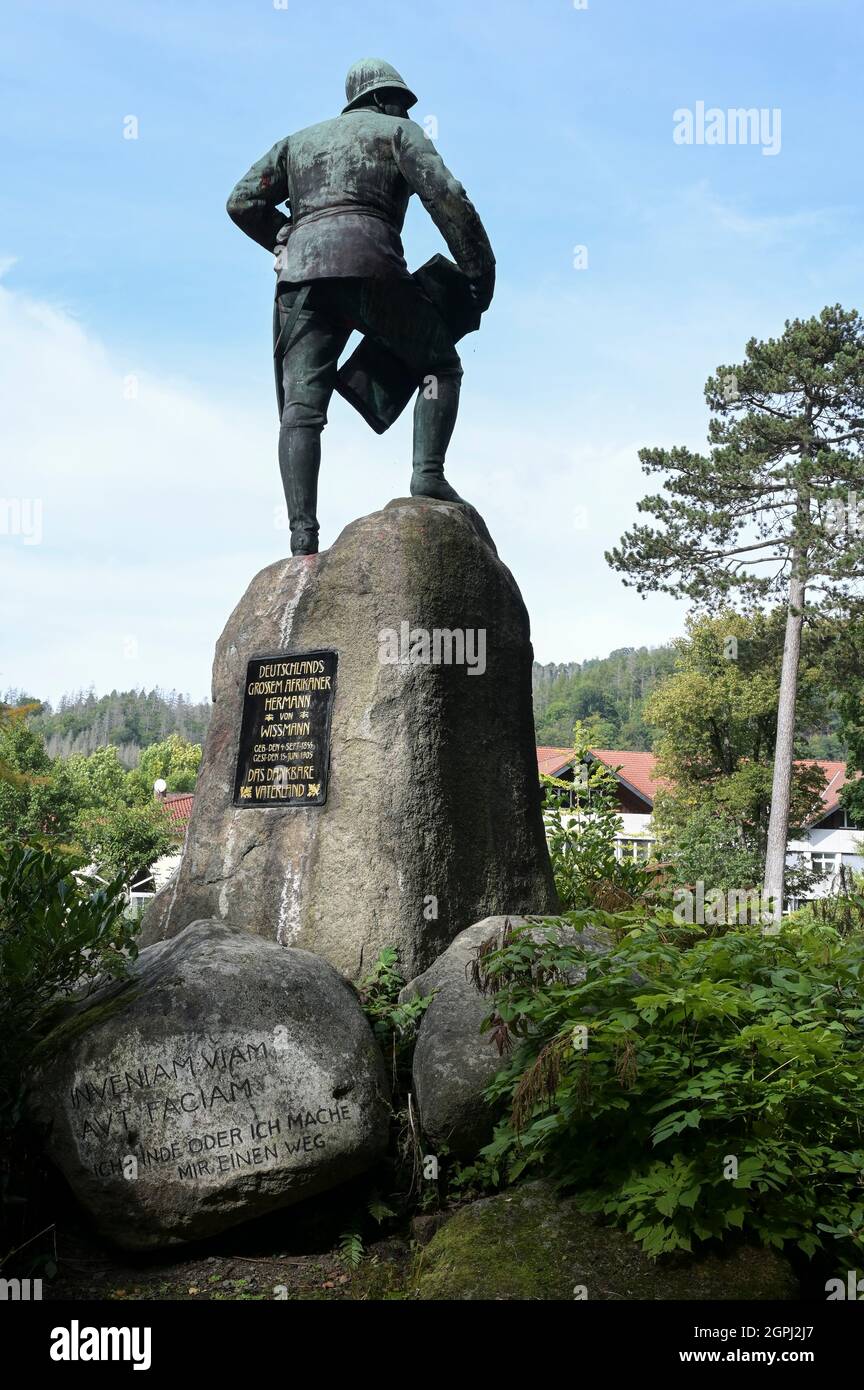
279, 249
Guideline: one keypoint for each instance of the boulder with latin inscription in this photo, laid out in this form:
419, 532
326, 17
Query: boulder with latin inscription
223, 1078
369, 778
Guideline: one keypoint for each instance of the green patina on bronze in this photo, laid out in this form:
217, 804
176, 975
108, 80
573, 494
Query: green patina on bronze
341, 266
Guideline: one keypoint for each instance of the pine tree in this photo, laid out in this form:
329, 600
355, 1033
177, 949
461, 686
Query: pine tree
771, 509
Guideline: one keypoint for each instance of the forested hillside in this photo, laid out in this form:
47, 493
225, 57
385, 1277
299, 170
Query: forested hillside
132, 720
607, 693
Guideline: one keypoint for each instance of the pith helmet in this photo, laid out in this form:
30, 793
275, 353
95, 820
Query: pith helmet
371, 75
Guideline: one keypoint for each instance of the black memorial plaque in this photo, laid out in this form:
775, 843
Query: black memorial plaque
283, 758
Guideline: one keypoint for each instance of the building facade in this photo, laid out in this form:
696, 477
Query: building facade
830, 846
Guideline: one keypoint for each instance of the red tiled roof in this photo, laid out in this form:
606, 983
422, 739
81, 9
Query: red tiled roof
635, 768
638, 769
178, 807
835, 774
551, 761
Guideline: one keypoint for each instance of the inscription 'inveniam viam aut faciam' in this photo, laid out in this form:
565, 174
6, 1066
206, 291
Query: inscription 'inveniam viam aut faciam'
173, 1094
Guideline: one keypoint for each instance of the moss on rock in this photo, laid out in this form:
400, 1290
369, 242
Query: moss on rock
530, 1244
80, 1016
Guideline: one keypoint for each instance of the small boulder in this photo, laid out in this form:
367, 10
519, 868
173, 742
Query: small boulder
224, 1078
529, 1244
453, 1061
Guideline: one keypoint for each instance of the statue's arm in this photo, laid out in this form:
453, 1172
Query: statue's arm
252, 204
445, 200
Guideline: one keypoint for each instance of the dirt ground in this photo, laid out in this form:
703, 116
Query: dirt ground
275, 1258
86, 1272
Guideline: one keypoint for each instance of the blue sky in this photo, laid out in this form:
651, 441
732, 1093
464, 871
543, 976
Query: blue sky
135, 369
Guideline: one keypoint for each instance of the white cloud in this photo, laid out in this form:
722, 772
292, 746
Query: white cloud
719, 215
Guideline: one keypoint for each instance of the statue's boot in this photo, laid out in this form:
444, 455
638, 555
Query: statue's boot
428, 484
434, 419
299, 462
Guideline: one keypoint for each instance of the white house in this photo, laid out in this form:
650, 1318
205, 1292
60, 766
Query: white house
829, 845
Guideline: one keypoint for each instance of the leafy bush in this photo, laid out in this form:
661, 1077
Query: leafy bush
843, 910
33, 803
176, 760
689, 1086
709, 844
125, 840
89, 804
394, 1025
395, 1028
582, 819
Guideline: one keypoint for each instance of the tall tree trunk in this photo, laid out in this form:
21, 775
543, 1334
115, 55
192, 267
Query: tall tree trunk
781, 792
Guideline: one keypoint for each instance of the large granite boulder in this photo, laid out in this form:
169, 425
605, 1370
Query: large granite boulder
225, 1077
453, 1061
528, 1244
433, 817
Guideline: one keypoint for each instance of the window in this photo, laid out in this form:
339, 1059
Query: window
824, 864
636, 850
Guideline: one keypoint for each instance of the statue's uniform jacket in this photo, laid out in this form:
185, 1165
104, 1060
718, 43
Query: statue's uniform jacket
341, 267
347, 182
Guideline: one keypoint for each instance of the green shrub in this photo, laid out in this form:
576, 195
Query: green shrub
582, 820
843, 910
394, 1025
690, 1086
125, 840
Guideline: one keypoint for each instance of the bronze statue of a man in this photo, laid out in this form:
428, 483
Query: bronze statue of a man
341, 266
